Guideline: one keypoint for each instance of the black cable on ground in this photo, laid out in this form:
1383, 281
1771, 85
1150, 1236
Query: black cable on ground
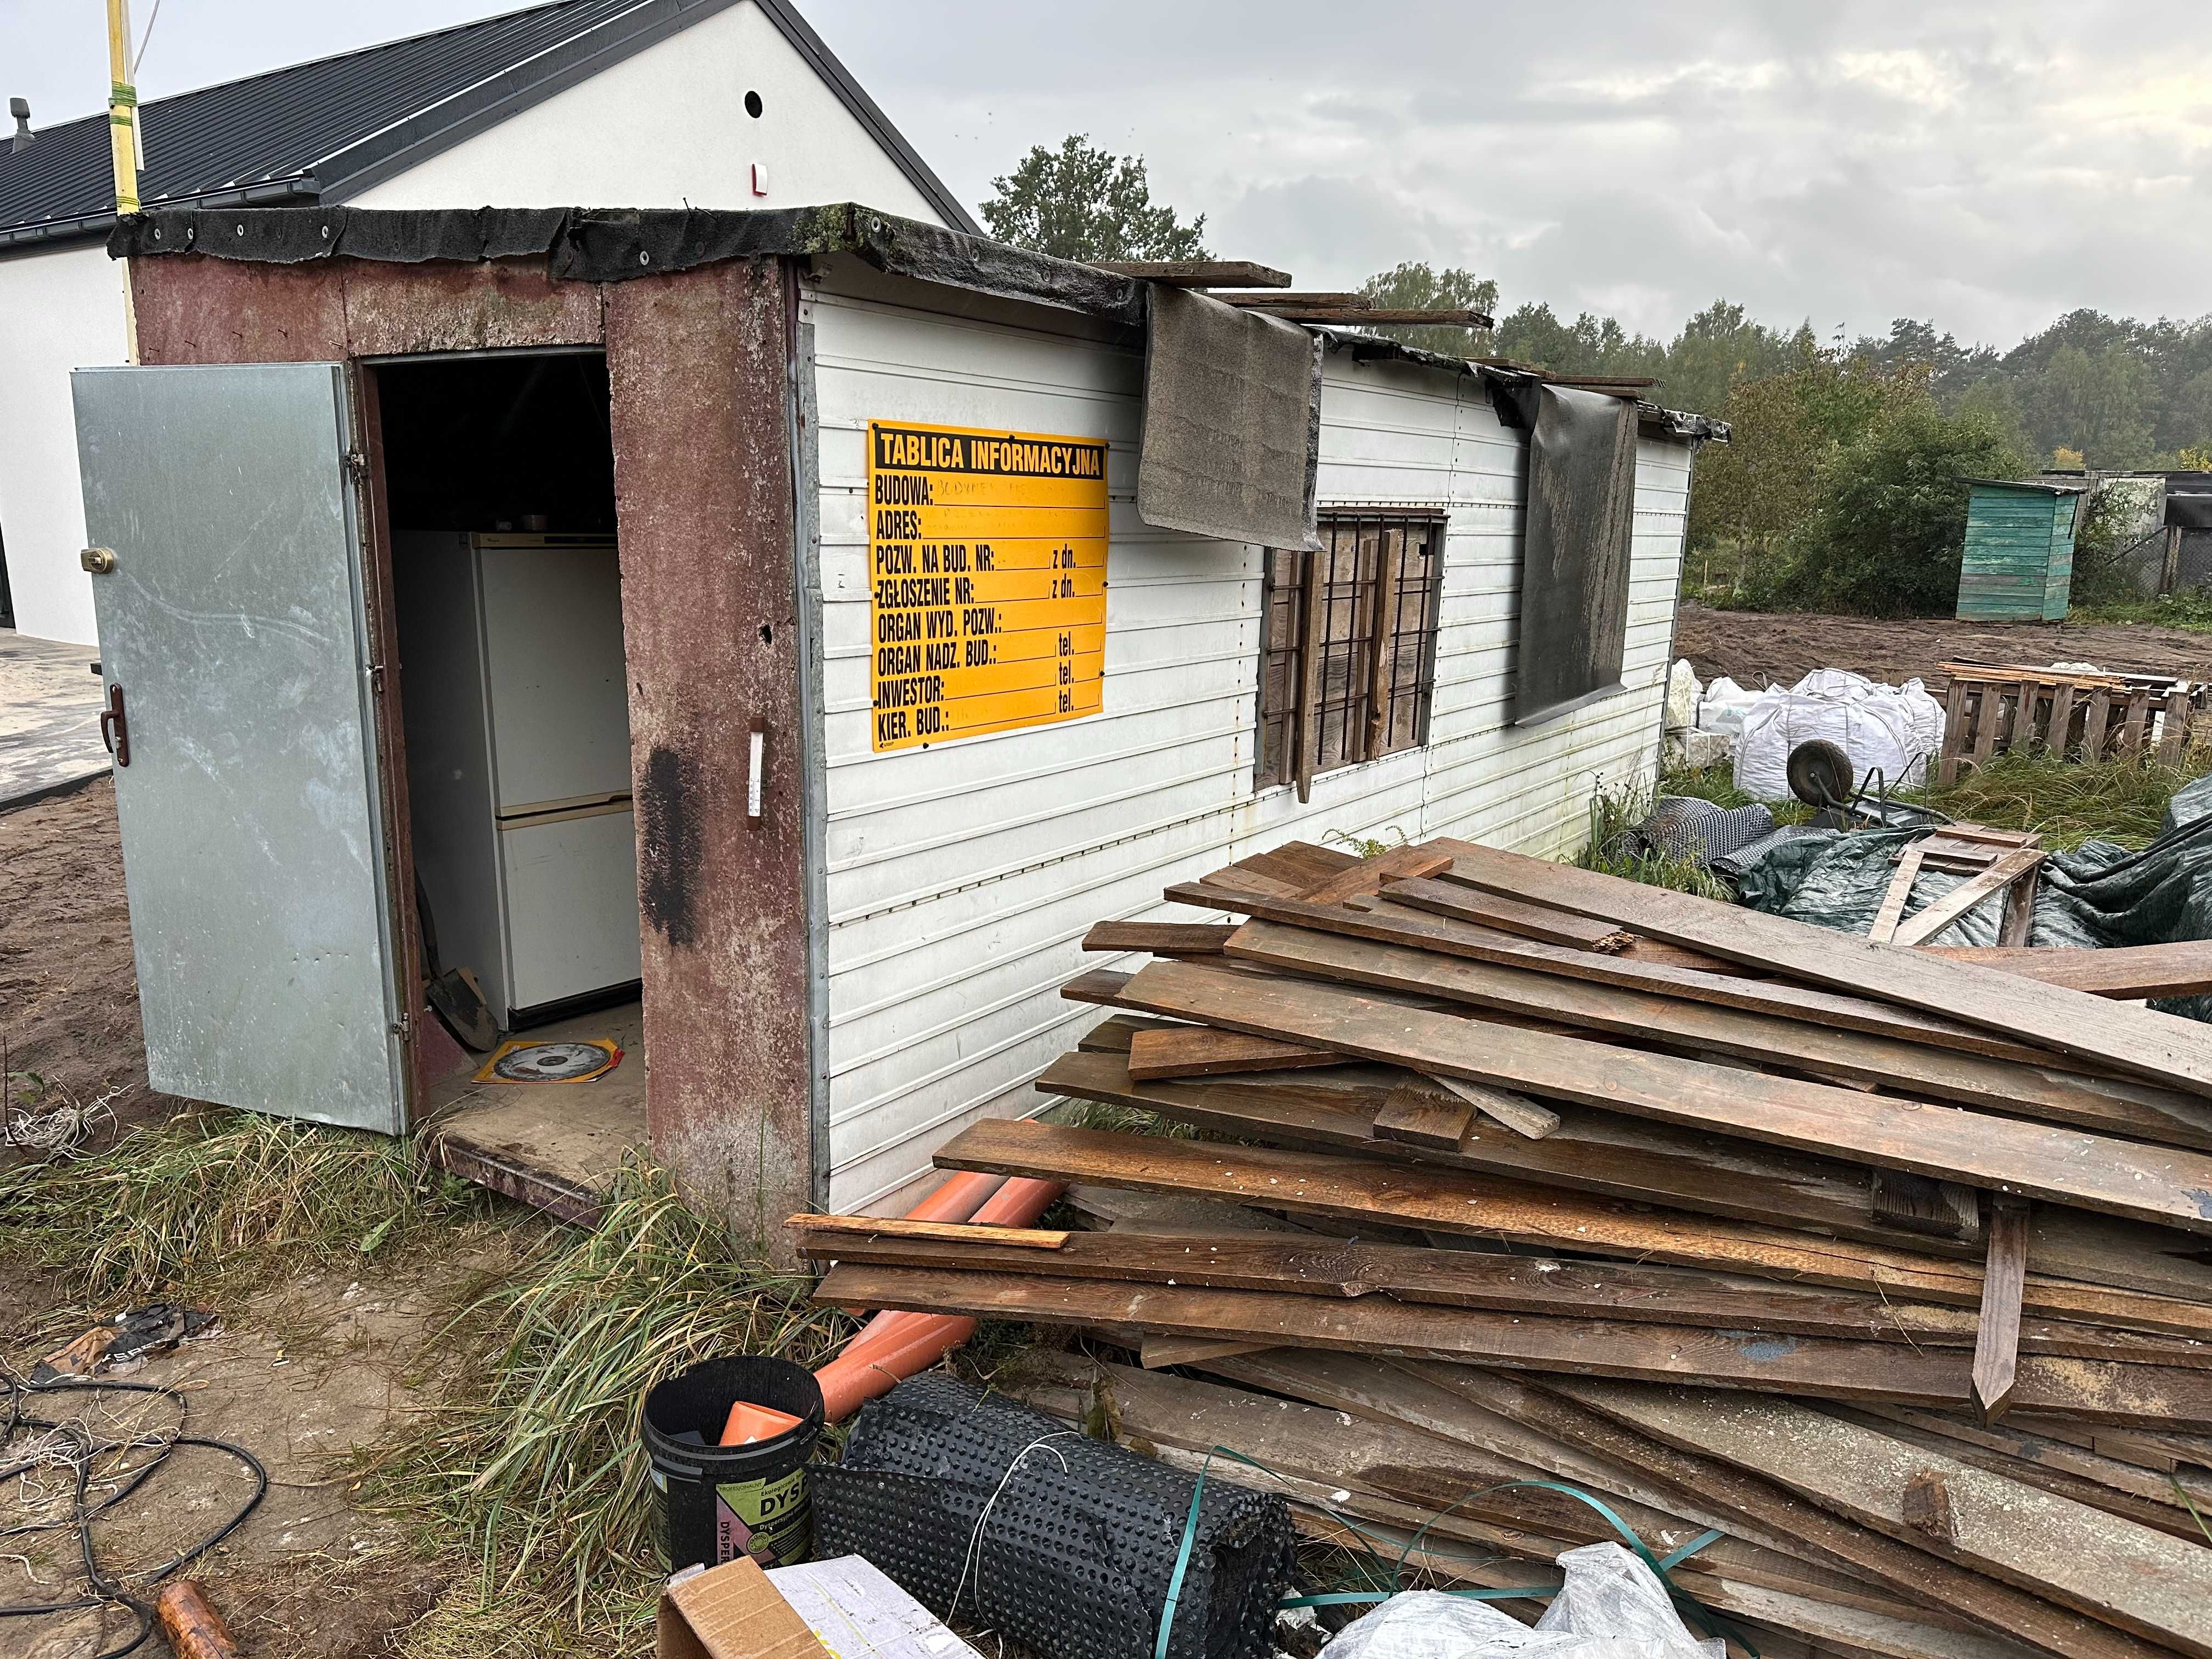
107, 1584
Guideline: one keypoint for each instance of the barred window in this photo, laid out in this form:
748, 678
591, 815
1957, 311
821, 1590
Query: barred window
1348, 647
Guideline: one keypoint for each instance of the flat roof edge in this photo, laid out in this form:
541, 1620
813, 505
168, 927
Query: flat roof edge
609, 245
613, 245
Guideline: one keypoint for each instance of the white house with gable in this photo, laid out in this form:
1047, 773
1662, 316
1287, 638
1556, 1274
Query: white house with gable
635, 103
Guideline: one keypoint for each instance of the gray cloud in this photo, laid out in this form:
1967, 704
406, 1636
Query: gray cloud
1986, 164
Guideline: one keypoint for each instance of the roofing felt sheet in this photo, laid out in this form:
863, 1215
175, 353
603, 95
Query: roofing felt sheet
1232, 422
1574, 569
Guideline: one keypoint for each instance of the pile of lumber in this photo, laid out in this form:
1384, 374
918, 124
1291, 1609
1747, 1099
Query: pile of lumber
1888, 1266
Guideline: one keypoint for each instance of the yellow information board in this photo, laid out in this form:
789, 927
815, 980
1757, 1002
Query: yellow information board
986, 558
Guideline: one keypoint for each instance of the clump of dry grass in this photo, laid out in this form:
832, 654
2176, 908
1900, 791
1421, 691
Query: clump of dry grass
2069, 802
534, 1465
222, 1195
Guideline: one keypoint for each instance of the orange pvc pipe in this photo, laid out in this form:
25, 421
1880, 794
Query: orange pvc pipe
896, 1346
1018, 1203
957, 1199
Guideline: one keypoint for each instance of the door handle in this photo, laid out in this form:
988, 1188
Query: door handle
115, 727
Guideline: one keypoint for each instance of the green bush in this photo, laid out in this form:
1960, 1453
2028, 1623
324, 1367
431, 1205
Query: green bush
1889, 514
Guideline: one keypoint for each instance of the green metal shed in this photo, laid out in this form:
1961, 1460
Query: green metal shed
2018, 564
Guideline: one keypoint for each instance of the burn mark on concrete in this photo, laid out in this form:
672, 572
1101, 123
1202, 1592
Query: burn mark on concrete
669, 841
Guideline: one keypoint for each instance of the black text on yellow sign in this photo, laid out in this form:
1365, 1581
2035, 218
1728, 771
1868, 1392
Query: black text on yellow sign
986, 594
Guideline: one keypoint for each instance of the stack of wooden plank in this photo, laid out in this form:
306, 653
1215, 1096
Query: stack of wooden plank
1889, 1265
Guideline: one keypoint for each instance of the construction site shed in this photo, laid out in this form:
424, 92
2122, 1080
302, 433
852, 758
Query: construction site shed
768, 640
2018, 563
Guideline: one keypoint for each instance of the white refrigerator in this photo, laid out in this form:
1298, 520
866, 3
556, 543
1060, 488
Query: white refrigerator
517, 762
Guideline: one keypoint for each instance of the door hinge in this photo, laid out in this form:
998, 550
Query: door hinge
356, 463
376, 679
403, 1025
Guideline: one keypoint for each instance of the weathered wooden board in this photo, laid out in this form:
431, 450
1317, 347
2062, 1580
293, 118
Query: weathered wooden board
2155, 1045
1386, 1469
1625, 1157
1517, 1112
1165, 939
1204, 1051
1390, 922
1507, 915
1424, 1115
2084, 1476
2165, 1185
2183, 968
1942, 912
1923, 1576
1897, 895
2132, 1578
897, 1232
1820, 1368
1369, 1191
2157, 1279
1540, 1286
1385, 1456
1404, 1395
1997, 1339
1369, 875
1939, 1209
1159, 1352
1976, 1080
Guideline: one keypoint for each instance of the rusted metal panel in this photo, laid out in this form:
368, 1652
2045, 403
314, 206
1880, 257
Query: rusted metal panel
219, 311
199, 310
698, 366
391, 309
539, 1189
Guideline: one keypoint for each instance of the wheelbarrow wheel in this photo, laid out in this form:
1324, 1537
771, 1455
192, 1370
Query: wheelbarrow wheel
1820, 773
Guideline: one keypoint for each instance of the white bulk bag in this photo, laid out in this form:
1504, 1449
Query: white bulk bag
1895, 730
1725, 705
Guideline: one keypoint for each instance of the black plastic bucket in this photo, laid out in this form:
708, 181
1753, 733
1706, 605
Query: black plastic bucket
713, 1504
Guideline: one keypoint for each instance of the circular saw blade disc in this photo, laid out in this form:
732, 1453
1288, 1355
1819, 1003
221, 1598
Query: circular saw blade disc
550, 1062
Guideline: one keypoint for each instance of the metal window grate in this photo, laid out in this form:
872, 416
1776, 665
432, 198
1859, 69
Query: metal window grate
1283, 611
1364, 609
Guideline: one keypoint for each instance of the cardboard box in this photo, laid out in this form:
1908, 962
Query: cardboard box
845, 1608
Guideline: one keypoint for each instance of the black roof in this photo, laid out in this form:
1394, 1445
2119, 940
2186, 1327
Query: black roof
327, 130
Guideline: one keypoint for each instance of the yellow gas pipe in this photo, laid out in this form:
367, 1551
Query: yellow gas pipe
123, 144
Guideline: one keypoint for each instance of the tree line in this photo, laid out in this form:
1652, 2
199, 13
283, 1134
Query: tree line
1843, 485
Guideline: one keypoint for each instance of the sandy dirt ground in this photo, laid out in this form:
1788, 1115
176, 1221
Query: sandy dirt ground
1756, 648
69, 989
298, 1377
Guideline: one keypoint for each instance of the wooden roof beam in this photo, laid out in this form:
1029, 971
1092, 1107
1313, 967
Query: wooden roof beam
1357, 315
1198, 273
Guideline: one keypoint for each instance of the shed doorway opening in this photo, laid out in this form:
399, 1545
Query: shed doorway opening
499, 483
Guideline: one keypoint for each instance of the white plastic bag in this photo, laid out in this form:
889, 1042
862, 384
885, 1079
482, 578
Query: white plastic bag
1725, 705
1610, 1607
1610, 1596
1682, 691
1896, 730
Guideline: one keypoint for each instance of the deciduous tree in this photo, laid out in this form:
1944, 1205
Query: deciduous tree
1080, 202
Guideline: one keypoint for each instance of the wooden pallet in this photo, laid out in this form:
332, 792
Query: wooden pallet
1991, 710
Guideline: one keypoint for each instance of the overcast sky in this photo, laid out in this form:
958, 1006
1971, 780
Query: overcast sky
1990, 165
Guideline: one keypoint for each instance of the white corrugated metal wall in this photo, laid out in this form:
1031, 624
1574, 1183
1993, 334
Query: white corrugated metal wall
960, 880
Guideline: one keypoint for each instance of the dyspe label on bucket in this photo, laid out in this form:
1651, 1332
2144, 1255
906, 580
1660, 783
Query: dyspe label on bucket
764, 1519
